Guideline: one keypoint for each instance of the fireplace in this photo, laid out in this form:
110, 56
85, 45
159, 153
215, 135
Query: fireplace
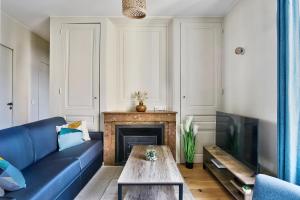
129, 135
122, 129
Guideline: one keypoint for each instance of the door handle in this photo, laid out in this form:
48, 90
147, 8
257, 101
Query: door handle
10, 105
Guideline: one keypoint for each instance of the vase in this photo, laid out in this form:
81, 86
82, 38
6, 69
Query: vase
189, 165
141, 107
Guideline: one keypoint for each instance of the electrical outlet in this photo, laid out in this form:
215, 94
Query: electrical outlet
160, 108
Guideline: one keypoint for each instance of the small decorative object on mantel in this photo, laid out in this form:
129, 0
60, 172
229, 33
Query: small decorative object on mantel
135, 9
189, 142
151, 153
141, 97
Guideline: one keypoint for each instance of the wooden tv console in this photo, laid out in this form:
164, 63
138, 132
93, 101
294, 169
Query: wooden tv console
232, 174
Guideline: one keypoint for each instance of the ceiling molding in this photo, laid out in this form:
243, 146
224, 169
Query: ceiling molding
35, 14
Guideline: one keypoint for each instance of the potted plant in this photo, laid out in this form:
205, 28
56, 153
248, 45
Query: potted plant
189, 142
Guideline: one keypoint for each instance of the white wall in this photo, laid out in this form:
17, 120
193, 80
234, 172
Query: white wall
250, 80
28, 49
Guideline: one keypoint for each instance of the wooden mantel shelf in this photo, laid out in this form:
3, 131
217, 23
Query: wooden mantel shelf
134, 112
165, 116
114, 118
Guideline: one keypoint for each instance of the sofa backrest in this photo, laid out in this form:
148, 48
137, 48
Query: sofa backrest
270, 188
26, 144
16, 146
43, 136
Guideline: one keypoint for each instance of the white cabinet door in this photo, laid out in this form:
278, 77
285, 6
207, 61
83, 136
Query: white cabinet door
6, 87
43, 91
200, 78
200, 67
80, 92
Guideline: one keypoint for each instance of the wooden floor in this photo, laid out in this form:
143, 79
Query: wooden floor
202, 184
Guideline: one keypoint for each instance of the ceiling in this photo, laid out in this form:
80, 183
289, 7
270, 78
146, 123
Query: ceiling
35, 13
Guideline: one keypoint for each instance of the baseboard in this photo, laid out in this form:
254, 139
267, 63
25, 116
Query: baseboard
198, 158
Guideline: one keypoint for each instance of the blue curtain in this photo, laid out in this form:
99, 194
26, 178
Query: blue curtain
289, 90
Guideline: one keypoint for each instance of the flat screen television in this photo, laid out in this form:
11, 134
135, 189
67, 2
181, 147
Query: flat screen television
238, 136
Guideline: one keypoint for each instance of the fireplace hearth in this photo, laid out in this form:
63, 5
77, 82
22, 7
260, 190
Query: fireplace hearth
129, 135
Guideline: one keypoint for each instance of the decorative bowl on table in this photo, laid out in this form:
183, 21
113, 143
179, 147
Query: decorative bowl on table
151, 155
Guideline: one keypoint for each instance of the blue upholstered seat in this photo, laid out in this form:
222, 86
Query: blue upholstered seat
49, 174
85, 152
47, 178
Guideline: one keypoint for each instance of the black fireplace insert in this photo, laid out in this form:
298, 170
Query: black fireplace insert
129, 135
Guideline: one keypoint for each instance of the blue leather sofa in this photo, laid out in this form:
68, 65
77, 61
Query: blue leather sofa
49, 174
270, 188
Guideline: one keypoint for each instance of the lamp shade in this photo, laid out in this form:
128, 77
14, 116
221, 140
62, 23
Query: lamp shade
135, 9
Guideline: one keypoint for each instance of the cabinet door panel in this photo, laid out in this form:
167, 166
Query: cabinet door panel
200, 68
142, 65
80, 94
200, 79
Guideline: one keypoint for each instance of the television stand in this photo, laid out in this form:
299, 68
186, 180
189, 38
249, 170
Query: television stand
237, 178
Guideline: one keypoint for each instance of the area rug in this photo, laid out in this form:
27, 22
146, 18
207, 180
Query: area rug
103, 186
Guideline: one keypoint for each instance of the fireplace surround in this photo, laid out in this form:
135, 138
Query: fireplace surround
149, 121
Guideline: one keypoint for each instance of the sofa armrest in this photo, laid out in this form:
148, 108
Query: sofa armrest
96, 135
270, 188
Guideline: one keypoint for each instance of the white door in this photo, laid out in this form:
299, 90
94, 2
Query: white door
43, 91
81, 53
6, 87
200, 78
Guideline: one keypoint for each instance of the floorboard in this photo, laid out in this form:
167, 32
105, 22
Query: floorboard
202, 184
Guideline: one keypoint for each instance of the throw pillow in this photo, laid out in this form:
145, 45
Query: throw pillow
68, 137
80, 125
11, 178
2, 193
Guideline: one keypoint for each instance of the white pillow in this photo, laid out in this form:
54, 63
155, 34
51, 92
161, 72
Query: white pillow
80, 125
2, 193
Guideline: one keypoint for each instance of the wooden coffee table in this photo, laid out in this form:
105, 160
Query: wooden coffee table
151, 178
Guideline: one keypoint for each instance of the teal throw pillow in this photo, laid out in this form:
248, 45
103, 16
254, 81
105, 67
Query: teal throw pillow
68, 137
11, 178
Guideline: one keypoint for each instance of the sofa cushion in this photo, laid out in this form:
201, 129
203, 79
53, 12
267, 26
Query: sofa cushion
68, 138
44, 137
85, 152
79, 125
16, 147
11, 178
2, 193
48, 178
